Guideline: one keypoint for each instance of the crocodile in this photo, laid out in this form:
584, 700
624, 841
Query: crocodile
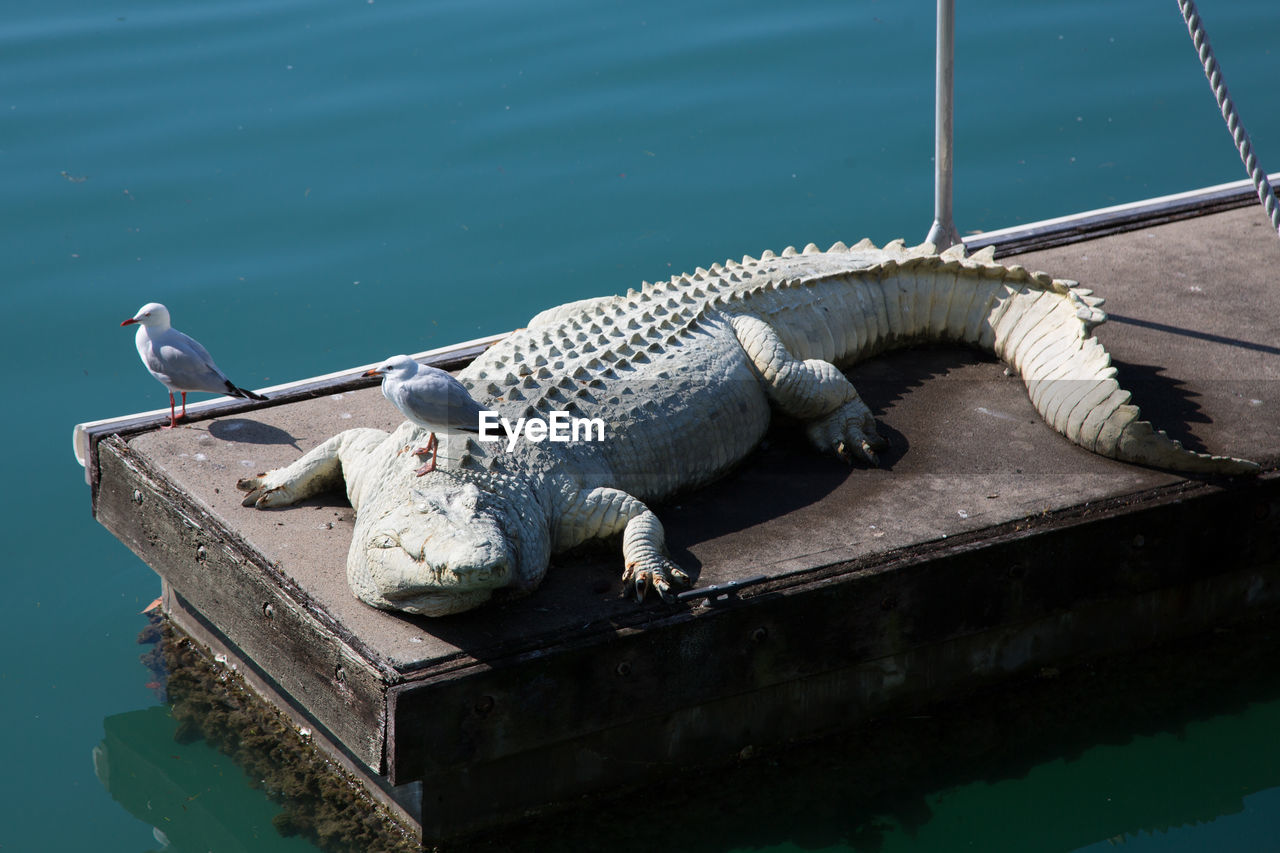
684, 375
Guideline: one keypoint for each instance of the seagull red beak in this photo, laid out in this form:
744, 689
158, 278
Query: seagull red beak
130, 321
374, 372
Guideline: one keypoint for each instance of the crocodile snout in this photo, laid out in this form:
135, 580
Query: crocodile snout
436, 556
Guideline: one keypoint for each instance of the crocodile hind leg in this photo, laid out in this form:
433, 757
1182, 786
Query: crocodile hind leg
601, 512
812, 390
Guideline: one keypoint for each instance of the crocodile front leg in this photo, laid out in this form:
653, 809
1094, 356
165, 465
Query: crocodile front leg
601, 512
317, 471
812, 390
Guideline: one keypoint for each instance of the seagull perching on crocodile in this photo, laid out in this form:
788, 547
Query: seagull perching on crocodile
431, 398
684, 374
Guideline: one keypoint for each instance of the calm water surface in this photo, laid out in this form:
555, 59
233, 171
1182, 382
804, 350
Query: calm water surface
314, 185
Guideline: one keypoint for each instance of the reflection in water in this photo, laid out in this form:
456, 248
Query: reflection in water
205, 770
183, 790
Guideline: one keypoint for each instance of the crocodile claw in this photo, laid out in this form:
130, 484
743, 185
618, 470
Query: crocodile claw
869, 454
259, 493
849, 432
862, 451
660, 578
266, 491
642, 582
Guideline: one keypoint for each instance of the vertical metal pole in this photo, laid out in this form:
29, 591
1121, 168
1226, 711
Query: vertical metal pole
943, 234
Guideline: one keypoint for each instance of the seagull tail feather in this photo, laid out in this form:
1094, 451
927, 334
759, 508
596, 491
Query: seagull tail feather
236, 391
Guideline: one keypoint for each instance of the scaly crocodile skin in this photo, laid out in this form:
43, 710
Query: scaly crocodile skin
684, 374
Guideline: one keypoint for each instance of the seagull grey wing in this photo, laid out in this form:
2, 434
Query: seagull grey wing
464, 411
193, 346
188, 365
422, 399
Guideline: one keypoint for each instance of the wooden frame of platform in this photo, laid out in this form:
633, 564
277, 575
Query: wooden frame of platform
824, 596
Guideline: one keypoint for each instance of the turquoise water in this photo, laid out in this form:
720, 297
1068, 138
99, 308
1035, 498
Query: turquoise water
312, 186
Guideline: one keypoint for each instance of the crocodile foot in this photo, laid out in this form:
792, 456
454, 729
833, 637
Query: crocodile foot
849, 432
659, 574
267, 490
645, 559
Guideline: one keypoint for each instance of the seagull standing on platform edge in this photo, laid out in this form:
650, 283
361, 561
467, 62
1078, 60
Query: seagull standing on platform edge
430, 398
177, 361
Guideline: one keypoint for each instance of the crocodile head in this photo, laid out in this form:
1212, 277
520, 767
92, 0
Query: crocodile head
444, 550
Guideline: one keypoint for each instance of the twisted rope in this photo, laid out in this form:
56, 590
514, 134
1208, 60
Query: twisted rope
1211, 70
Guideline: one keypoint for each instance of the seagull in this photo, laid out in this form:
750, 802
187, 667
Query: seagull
430, 397
177, 361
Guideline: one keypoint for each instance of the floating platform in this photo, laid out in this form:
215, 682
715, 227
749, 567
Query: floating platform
987, 546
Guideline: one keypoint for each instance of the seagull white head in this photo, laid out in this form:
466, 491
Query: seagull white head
153, 315
398, 367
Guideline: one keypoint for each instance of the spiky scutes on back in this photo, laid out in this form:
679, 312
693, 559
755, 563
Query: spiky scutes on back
611, 337
832, 305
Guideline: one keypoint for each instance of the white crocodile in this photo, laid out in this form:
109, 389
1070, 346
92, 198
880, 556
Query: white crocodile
683, 374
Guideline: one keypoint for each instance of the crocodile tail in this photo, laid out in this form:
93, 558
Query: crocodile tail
1041, 326
1043, 329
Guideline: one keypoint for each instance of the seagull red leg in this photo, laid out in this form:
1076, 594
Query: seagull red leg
430, 450
173, 420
